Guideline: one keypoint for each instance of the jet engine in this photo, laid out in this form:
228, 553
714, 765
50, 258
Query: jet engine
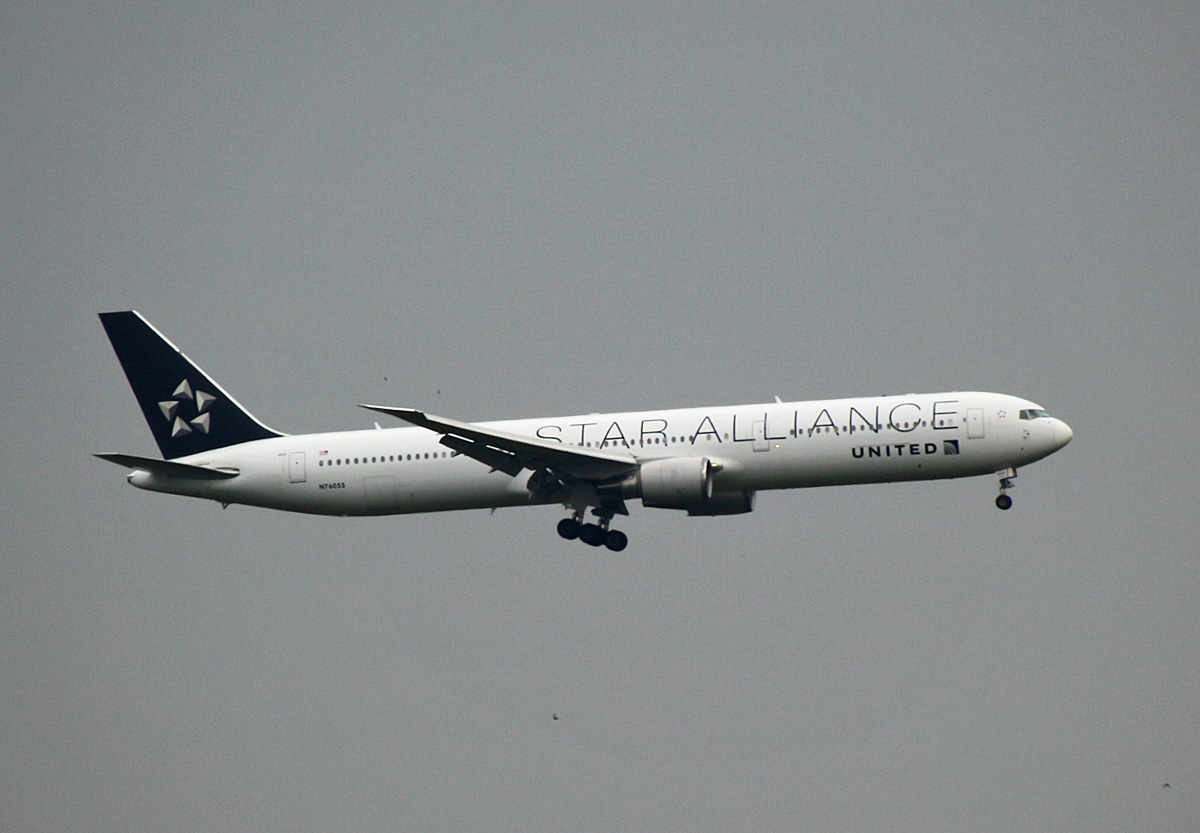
675, 483
680, 483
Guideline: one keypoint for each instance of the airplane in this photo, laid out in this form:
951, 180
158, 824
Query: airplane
705, 461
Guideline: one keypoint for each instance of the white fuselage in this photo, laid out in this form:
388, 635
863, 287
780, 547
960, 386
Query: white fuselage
781, 445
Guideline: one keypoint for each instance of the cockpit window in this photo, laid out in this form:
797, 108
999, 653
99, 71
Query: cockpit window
1034, 413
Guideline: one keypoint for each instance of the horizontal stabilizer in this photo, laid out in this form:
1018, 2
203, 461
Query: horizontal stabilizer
168, 467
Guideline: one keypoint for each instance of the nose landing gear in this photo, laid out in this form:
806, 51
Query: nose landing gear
1003, 501
594, 535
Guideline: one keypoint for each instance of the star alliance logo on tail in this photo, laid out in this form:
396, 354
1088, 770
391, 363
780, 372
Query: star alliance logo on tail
171, 409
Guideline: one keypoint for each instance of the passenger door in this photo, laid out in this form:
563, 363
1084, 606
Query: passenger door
974, 423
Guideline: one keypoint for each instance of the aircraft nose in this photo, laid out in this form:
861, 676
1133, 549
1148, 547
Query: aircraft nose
1062, 433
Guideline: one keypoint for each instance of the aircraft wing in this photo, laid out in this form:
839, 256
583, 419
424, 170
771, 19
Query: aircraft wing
512, 452
168, 467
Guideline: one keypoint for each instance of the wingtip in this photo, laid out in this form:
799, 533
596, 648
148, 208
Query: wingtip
399, 413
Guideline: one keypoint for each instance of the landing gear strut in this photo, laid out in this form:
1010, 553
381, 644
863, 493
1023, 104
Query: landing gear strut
1003, 501
593, 534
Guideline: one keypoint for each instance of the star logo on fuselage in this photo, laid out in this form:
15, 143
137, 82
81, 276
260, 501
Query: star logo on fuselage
172, 410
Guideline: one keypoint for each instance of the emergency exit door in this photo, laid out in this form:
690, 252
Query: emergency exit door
296, 467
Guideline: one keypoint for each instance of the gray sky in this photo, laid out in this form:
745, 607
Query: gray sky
507, 210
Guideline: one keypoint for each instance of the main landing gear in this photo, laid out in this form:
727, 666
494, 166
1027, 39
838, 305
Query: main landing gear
1003, 501
594, 535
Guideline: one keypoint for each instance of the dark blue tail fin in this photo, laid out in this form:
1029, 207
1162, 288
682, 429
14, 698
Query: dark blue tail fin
187, 411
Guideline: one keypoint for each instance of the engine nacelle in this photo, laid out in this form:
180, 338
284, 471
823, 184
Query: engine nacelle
724, 503
676, 483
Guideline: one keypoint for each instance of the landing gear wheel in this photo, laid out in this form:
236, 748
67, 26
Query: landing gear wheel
1003, 502
616, 540
569, 528
592, 535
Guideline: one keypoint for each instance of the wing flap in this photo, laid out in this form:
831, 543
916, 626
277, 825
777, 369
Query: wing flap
494, 458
